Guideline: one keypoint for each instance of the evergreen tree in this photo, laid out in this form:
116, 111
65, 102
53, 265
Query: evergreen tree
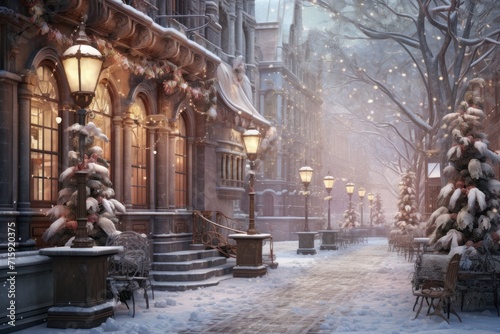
350, 217
378, 216
468, 204
407, 219
100, 202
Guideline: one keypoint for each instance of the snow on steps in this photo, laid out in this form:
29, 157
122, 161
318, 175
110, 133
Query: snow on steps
189, 269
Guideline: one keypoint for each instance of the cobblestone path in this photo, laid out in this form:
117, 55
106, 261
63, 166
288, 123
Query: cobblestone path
327, 287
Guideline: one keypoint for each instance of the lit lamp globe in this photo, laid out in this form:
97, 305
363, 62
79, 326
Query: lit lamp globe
370, 196
349, 187
82, 64
361, 193
251, 140
329, 182
305, 174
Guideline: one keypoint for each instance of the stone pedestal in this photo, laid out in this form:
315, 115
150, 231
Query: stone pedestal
79, 286
249, 254
329, 239
306, 243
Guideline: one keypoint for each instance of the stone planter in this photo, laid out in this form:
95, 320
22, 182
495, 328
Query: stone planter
27, 292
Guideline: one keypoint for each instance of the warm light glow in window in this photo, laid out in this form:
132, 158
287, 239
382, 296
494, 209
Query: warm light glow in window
44, 138
139, 158
181, 168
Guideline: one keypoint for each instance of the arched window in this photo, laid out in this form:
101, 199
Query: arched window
101, 116
139, 158
181, 168
44, 152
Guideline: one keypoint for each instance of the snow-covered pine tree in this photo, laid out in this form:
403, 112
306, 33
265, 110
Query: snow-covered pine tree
468, 204
407, 219
100, 201
350, 217
378, 216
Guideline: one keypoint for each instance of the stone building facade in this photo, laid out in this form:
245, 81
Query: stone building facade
289, 93
175, 130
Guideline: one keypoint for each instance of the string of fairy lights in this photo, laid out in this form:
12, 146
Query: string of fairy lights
170, 74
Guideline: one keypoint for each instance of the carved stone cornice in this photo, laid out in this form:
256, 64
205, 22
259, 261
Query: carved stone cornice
138, 35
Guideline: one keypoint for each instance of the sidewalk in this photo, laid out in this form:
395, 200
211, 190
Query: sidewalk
363, 288
302, 304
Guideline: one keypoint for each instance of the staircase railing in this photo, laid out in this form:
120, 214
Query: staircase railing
212, 229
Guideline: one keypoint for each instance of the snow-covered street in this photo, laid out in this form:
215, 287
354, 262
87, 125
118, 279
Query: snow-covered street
362, 288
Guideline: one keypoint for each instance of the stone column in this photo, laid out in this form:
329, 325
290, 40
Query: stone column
117, 158
231, 29
162, 170
128, 122
239, 29
24, 140
171, 171
151, 169
20, 155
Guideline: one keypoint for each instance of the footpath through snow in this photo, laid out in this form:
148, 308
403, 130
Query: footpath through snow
360, 289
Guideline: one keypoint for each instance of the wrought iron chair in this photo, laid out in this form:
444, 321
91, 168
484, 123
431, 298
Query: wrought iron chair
128, 271
438, 293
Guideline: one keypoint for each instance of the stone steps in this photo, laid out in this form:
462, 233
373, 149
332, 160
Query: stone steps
189, 269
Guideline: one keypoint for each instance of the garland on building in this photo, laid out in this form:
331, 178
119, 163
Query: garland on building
407, 219
468, 204
165, 71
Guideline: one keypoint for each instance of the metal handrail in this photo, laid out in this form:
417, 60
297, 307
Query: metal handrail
215, 234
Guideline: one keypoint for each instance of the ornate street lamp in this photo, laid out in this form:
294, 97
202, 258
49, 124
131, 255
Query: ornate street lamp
370, 198
251, 140
329, 182
349, 188
306, 174
361, 194
82, 64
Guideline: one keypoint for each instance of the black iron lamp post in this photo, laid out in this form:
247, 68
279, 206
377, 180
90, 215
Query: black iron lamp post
306, 174
370, 198
349, 188
251, 140
329, 182
82, 64
79, 272
249, 246
306, 238
329, 236
361, 194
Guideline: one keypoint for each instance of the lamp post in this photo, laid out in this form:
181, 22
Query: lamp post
349, 188
361, 194
329, 182
82, 64
79, 272
306, 174
249, 246
306, 238
370, 198
251, 140
329, 236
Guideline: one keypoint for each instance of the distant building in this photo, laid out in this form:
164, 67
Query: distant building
289, 92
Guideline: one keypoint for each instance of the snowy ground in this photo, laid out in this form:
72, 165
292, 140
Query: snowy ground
383, 305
